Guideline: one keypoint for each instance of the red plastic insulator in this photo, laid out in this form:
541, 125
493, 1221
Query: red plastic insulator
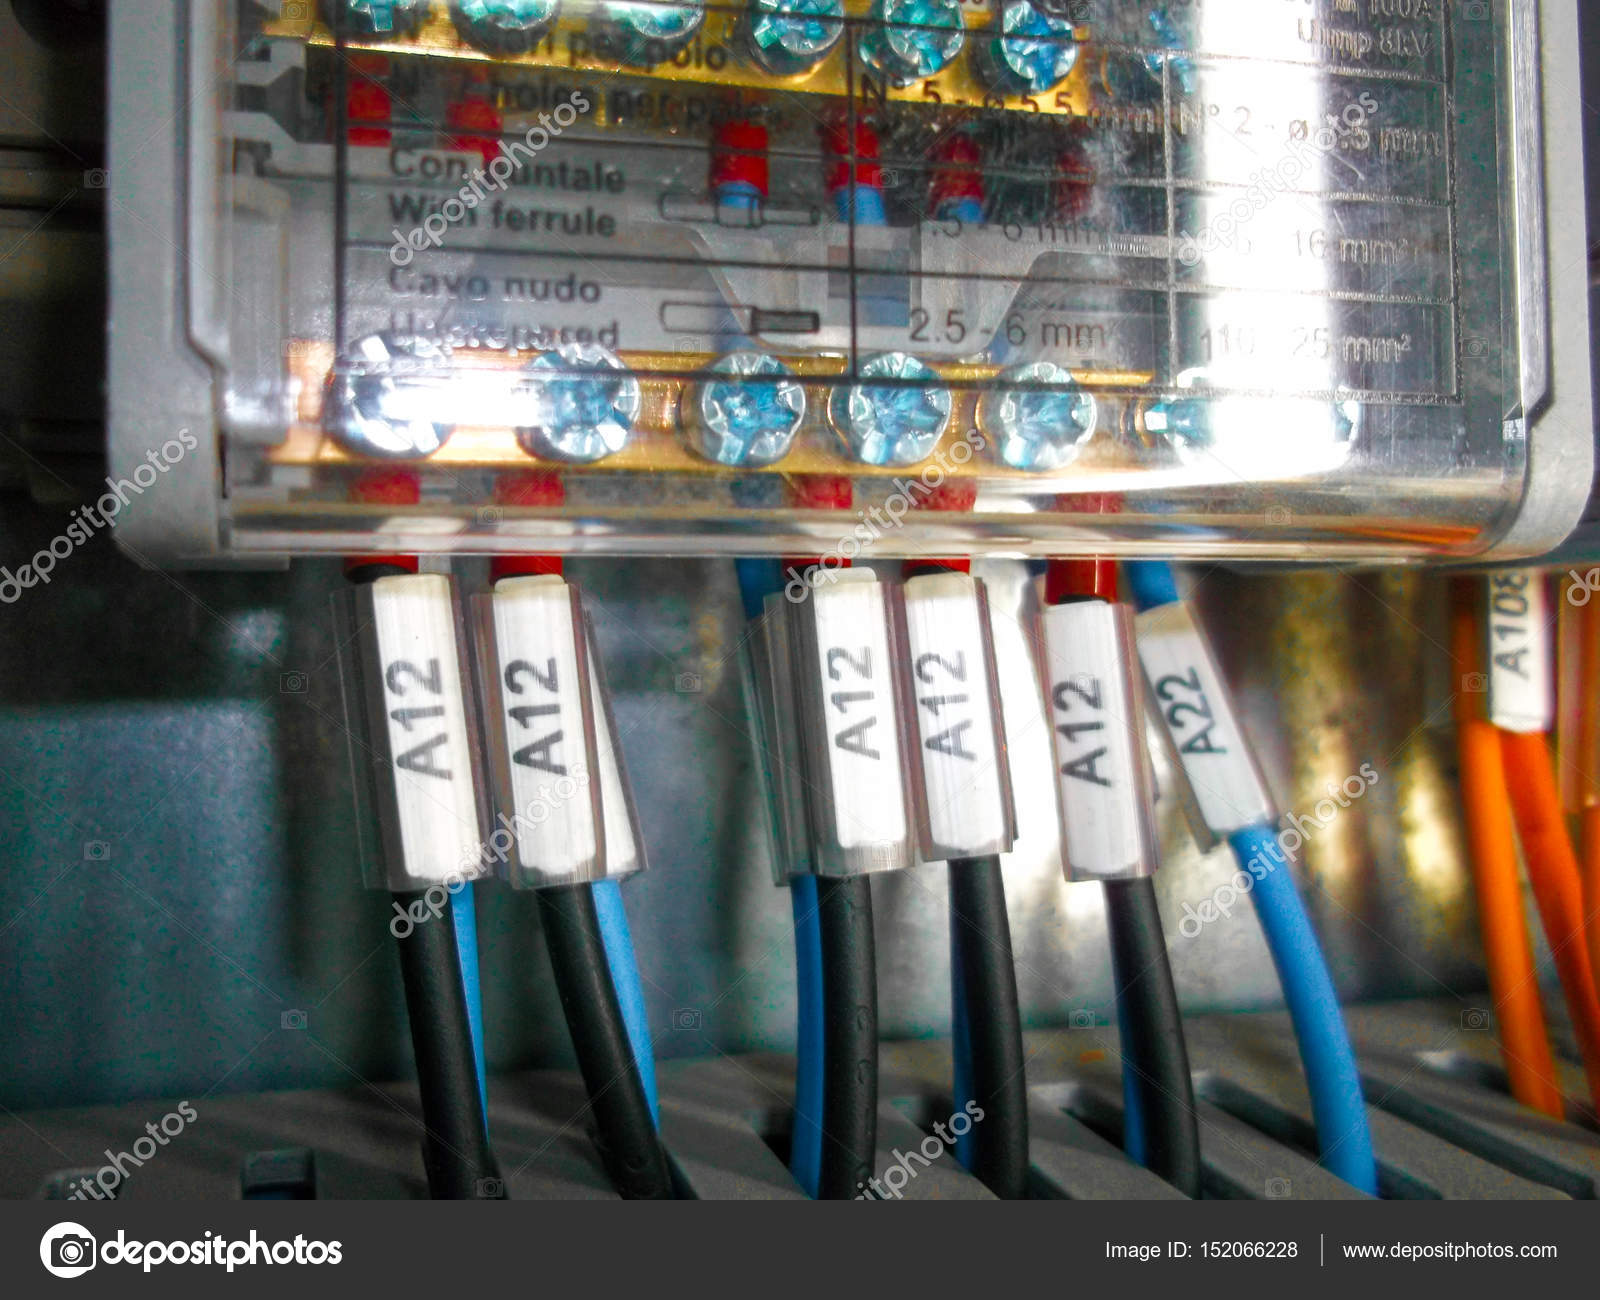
385, 486
836, 140
739, 156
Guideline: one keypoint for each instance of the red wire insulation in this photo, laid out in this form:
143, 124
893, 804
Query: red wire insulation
527, 489
385, 486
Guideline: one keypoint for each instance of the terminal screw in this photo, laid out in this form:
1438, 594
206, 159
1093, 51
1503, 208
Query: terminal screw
504, 26
584, 402
376, 19
1034, 50
644, 33
382, 395
1166, 34
908, 40
1038, 415
897, 422
790, 36
745, 411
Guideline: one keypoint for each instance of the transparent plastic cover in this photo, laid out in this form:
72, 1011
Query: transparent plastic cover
1038, 276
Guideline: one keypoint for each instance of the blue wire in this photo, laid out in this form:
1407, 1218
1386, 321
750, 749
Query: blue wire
1336, 1101
757, 579
961, 1049
1151, 582
464, 915
868, 205
1330, 1065
805, 1151
1133, 1132
625, 979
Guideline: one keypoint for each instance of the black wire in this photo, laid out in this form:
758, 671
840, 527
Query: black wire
1152, 1020
455, 1148
625, 1131
981, 934
850, 1037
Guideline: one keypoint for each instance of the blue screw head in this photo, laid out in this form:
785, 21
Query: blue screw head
647, 32
908, 40
1034, 50
384, 395
583, 403
790, 36
1183, 422
376, 19
504, 26
1038, 416
745, 411
895, 423
1166, 34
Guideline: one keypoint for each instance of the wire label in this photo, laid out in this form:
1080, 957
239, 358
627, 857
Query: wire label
854, 707
1103, 784
429, 745
1520, 651
540, 713
1194, 703
965, 809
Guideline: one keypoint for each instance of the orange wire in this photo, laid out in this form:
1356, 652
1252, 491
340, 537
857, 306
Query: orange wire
1491, 842
1591, 885
1557, 888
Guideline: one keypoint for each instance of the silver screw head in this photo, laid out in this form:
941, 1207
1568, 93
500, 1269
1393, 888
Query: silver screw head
908, 40
745, 410
384, 396
1033, 50
646, 32
581, 402
504, 26
895, 413
790, 36
1038, 416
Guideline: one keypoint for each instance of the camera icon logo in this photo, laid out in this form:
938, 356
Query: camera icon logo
292, 1020
96, 851
1476, 11
1474, 683
67, 1250
1279, 1189
96, 178
688, 1019
1475, 1018
293, 683
687, 684
490, 1189
1082, 1018
295, 11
